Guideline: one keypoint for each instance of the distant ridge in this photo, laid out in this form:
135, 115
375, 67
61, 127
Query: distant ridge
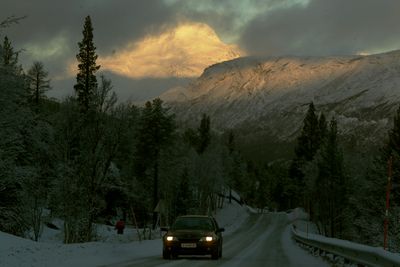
271, 95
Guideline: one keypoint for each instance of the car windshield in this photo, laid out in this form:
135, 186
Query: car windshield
193, 223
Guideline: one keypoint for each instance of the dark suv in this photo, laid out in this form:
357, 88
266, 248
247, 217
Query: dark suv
193, 235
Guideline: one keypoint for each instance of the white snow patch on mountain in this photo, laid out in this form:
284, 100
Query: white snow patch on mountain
272, 94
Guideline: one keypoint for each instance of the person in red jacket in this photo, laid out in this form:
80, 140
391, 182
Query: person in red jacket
120, 226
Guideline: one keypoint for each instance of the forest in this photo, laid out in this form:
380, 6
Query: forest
91, 158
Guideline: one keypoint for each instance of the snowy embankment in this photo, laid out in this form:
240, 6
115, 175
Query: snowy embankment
112, 248
306, 233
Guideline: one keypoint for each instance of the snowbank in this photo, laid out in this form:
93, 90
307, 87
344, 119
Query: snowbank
16, 251
231, 216
300, 219
111, 248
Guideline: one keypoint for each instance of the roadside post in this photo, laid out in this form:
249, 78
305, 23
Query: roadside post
389, 185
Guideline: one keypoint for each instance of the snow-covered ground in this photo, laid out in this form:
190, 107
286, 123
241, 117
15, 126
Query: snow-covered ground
300, 219
111, 248
308, 230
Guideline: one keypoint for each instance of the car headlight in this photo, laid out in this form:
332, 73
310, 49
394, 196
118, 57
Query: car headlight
171, 238
207, 238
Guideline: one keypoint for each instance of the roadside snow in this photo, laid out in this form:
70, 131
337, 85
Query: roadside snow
300, 219
16, 251
231, 216
111, 248
294, 252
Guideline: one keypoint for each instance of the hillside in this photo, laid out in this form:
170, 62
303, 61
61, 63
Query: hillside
260, 97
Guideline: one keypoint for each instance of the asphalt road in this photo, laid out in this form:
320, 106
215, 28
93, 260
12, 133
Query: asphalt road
263, 240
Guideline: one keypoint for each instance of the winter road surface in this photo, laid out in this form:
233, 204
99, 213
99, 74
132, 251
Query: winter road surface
262, 240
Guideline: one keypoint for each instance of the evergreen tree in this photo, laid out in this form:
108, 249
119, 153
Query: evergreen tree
155, 133
87, 153
204, 134
307, 145
231, 142
9, 60
38, 83
309, 140
231, 148
87, 67
331, 184
14, 124
236, 167
322, 127
184, 195
190, 137
9, 57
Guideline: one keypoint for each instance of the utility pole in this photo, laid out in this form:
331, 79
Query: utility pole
389, 185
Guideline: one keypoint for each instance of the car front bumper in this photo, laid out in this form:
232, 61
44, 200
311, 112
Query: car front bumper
201, 248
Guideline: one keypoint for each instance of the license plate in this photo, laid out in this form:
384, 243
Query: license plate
188, 245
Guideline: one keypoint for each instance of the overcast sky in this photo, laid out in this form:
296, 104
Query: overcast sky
173, 40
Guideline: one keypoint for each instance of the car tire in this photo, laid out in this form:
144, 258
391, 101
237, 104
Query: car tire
166, 255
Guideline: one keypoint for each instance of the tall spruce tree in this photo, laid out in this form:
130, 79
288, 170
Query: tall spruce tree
9, 56
155, 133
204, 135
331, 184
87, 67
231, 148
184, 199
309, 140
307, 145
231, 142
322, 127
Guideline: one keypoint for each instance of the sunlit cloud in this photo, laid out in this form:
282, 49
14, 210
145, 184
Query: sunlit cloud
184, 51
378, 49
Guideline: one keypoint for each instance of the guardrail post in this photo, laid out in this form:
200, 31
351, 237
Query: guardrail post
386, 223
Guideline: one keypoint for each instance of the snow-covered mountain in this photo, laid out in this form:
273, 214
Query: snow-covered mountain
271, 95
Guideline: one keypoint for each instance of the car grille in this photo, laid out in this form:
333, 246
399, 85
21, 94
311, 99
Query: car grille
189, 240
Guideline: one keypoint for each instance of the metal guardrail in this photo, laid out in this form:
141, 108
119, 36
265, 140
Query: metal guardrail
353, 252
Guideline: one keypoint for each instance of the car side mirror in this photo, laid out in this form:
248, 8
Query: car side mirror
164, 229
220, 230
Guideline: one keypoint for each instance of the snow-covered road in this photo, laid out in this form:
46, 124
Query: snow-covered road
262, 240
250, 239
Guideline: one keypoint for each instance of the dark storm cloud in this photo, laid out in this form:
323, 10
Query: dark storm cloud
114, 21
272, 27
326, 27
227, 17
53, 28
50, 22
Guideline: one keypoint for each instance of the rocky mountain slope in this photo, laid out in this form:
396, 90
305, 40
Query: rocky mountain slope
270, 96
